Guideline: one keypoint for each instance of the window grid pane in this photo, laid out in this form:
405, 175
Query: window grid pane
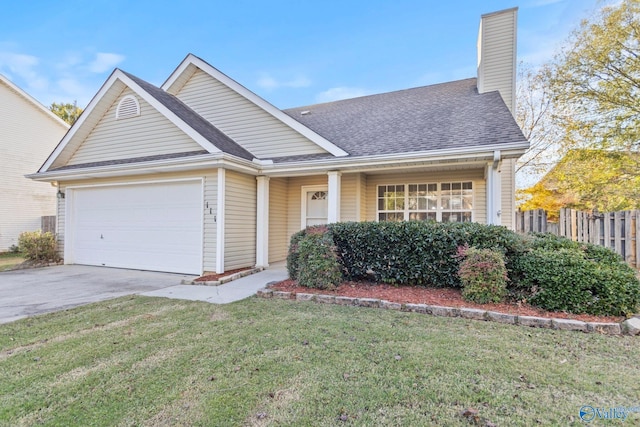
446, 201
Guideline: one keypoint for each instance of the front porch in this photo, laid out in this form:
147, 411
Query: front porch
286, 205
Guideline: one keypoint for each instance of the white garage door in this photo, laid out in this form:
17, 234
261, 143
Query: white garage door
147, 227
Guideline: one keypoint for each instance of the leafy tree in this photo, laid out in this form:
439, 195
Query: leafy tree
602, 180
595, 80
67, 112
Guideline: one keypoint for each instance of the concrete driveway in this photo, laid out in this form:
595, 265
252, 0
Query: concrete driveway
41, 290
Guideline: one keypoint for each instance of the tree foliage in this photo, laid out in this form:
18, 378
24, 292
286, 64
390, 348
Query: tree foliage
67, 112
595, 80
603, 180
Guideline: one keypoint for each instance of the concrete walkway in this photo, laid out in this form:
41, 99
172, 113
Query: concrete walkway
235, 290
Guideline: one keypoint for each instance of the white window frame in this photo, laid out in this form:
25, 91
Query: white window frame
439, 197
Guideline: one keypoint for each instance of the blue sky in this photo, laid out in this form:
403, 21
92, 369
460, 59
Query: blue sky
292, 53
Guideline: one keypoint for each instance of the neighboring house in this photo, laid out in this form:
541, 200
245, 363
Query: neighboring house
202, 174
28, 133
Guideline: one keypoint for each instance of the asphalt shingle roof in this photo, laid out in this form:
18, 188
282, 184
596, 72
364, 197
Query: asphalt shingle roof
194, 120
441, 116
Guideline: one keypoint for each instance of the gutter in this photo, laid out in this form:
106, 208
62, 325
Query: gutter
454, 156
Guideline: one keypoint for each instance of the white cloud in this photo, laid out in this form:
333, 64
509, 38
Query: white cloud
342, 92
105, 62
23, 66
268, 82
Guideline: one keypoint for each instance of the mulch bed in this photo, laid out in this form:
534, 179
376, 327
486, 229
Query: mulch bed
215, 277
446, 297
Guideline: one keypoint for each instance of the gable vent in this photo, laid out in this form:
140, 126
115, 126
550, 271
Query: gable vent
128, 107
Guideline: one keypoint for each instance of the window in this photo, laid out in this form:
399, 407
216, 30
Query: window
445, 201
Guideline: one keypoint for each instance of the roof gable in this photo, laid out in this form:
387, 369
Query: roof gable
195, 133
33, 102
147, 134
273, 133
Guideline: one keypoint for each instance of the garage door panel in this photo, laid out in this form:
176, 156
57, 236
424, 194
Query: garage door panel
148, 227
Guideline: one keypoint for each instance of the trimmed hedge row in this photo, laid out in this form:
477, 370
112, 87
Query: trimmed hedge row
418, 253
550, 272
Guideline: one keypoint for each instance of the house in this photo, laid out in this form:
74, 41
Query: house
28, 133
201, 174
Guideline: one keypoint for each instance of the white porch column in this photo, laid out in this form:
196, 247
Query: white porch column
333, 204
262, 222
220, 208
494, 190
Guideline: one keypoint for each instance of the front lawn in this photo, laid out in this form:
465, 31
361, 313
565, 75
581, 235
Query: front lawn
10, 259
152, 361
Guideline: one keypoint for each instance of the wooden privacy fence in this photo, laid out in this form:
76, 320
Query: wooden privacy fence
48, 223
619, 231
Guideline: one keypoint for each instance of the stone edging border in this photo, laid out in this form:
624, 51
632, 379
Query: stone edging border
224, 279
628, 327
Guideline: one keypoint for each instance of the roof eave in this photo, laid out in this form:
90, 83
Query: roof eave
375, 162
204, 161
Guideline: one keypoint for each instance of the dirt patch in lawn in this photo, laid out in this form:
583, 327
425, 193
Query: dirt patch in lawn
445, 297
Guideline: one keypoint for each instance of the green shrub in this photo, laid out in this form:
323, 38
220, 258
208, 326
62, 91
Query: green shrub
566, 279
318, 264
595, 252
483, 275
417, 253
38, 246
293, 264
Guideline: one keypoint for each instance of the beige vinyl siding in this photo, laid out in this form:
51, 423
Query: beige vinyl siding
497, 55
363, 197
148, 134
508, 192
294, 222
474, 175
349, 197
27, 135
249, 125
210, 228
61, 207
278, 233
240, 221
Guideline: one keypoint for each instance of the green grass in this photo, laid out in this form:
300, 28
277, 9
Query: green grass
146, 361
10, 259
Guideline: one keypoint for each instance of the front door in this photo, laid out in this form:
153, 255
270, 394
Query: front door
316, 207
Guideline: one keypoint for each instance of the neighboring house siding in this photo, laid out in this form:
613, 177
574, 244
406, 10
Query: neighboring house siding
28, 135
508, 183
278, 232
476, 176
240, 221
148, 134
210, 226
497, 43
247, 124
